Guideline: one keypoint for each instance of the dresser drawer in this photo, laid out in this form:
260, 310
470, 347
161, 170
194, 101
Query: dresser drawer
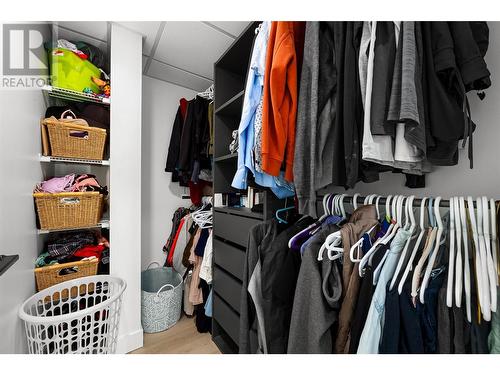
227, 318
233, 228
227, 287
229, 258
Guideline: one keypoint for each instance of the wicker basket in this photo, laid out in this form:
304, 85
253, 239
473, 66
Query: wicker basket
69, 210
64, 142
51, 275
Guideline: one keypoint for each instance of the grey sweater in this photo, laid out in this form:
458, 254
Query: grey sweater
304, 168
317, 300
406, 101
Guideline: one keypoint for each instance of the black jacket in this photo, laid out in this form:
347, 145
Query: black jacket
174, 147
453, 65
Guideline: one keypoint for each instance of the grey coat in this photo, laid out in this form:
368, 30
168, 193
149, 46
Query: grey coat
317, 300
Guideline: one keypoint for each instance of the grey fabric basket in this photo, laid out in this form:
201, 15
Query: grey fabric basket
161, 298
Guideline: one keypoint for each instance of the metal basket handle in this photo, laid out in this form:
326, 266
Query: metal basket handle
157, 297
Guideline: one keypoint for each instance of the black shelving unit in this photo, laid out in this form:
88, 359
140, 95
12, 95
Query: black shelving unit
231, 224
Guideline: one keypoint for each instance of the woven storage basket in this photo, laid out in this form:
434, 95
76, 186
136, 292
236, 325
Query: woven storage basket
161, 298
65, 143
51, 275
69, 210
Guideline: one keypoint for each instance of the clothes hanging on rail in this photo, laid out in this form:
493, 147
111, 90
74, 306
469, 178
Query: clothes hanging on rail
189, 252
342, 102
303, 292
316, 303
190, 150
254, 94
279, 107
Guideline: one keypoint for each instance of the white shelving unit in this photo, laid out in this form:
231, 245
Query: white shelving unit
58, 159
61, 93
104, 223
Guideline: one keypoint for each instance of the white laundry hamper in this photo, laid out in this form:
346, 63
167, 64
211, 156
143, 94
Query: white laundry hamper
161, 298
79, 316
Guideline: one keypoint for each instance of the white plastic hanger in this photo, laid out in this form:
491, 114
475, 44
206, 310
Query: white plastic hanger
480, 277
355, 201
486, 306
342, 207
376, 207
492, 275
356, 248
412, 223
368, 256
466, 273
429, 245
437, 245
332, 241
451, 259
494, 235
388, 207
326, 209
335, 208
201, 216
326, 213
367, 199
459, 263
415, 247
398, 214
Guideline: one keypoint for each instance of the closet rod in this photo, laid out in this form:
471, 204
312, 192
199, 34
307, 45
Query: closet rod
360, 200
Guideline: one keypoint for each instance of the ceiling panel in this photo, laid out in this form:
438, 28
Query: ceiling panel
173, 75
234, 28
63, 33
193, 46
147, 29
95, 29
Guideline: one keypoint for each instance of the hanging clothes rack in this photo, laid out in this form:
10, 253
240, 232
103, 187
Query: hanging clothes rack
361, 199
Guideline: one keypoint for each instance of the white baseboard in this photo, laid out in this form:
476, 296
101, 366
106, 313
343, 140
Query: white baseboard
129, 342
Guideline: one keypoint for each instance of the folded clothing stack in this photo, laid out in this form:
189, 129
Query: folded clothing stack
71, 183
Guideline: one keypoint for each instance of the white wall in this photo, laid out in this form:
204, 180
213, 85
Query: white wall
484, 179
160, 197
20, 113
125, 179
20, 170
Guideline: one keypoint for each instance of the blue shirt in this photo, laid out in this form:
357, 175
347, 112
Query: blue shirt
374, 324
253, 93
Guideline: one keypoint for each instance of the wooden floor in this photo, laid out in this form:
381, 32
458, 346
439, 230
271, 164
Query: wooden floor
182, 338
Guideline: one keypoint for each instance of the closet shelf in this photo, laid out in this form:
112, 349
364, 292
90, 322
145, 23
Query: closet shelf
66, 94
232, 107
227, 157
59, 159
104, 223
240, 211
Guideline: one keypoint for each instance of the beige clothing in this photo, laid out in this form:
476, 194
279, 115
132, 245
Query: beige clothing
195, 292
362, 220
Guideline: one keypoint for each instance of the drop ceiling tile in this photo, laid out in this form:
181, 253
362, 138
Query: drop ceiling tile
232, 27
95, 29
192, 46
173, 75
67, 34
147, 29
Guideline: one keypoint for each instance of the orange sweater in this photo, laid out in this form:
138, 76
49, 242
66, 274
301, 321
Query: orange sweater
279, 107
